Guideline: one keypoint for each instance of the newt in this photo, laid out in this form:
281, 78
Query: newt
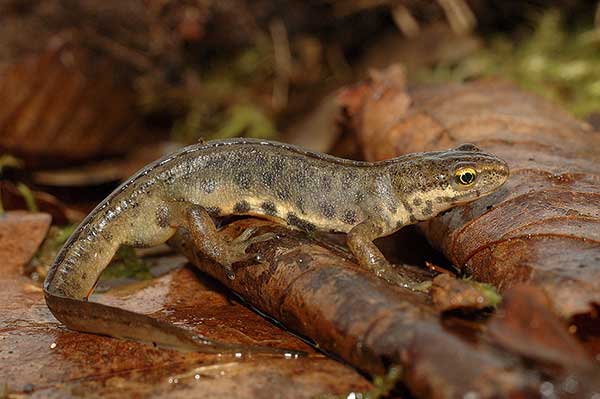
303, 189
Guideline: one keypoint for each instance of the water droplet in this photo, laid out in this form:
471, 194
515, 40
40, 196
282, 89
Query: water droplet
53, 345
570, 385
351, 395
547, 389
238, 355
170, 380
287, 355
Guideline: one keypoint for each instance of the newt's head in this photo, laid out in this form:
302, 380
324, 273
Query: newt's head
434, 182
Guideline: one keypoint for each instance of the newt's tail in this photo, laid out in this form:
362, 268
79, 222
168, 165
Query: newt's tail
97, 318
71, 281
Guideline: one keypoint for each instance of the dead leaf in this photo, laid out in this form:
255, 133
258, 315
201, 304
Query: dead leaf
63, 106
13, 199
526, 324
21, 234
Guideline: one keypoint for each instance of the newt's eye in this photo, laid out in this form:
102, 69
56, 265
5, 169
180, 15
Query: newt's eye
465, 176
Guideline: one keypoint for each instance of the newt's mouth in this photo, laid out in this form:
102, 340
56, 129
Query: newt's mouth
466, 197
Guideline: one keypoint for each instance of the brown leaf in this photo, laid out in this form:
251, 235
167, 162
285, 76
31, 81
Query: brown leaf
61, 106
526, 324
13, 199
543, 226
21, 234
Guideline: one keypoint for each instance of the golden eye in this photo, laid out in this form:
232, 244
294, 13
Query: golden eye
465, 176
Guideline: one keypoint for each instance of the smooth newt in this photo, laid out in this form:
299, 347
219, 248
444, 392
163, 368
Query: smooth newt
307, 190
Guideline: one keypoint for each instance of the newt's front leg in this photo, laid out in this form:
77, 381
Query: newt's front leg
360, 241
211, 243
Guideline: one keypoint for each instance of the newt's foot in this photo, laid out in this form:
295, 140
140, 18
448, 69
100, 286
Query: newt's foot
388, 272
236, 249
399, 280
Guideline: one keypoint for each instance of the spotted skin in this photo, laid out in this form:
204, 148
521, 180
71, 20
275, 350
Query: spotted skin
269, 208
306, 190
349, 217
241, 207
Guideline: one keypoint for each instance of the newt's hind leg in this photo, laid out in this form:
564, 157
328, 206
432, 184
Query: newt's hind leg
210, 242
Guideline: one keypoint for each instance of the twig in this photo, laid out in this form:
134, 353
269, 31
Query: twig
134, 58
28, 197
460, 17
283, 63
405, 21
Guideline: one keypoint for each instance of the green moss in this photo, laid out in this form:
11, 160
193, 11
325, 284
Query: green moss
226, 101
40, 264
423, 287
28, 197
246, 120
490, 294
382, 386
7, 160
5, 391
561, 65
127, 264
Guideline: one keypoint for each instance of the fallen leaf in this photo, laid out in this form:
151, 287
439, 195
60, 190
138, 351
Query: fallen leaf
63, 106
526, 324
13, 199
21, 234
